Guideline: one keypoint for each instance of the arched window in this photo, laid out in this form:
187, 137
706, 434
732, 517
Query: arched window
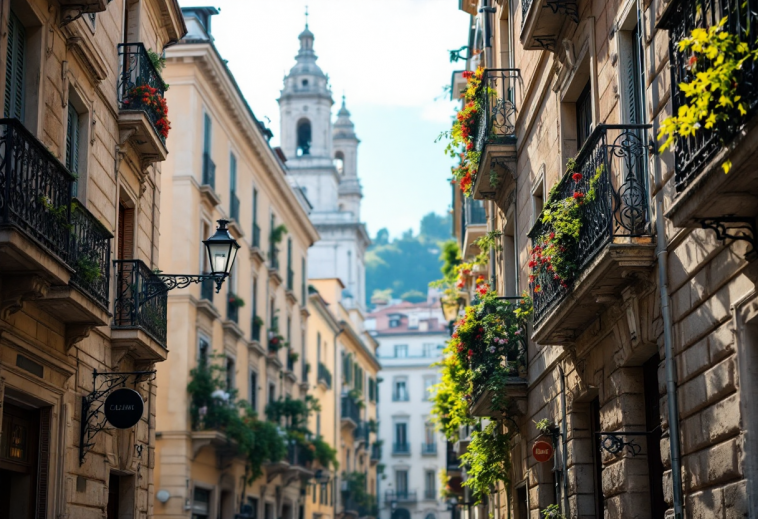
303, 137
305, 82
339, 162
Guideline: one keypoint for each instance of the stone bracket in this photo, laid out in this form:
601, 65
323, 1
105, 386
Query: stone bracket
23, 288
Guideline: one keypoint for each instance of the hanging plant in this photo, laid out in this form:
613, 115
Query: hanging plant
277, 233
235, 300
554, 253
717, 71
293, 356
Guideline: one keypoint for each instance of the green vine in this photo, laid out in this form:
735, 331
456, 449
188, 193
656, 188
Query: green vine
88, 268
716, 65
552, 512
489, 460
277, 233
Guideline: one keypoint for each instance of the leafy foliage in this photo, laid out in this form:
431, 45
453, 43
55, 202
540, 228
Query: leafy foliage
716, 64
277, 233
489, 459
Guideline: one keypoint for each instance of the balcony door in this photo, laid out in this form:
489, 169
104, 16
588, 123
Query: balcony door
401, 483
15, 64
401, 435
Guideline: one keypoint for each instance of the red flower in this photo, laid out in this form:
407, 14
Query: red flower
578, 195
537, 288
470, 353
467, 74
532, 264
480, 280
577, 177
692, 62
470, 146
552, 235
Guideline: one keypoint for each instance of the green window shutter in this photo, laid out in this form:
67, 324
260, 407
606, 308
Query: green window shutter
232, 173
207, 133
14, 69
72, 145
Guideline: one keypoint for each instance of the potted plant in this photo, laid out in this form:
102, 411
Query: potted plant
235, 300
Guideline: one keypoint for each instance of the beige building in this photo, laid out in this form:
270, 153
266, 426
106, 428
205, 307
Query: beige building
643, 359
82, 143
257, 324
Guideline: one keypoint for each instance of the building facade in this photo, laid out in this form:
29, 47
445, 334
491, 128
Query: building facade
411, 337
323, 159
79, 192
255, 330
639, 360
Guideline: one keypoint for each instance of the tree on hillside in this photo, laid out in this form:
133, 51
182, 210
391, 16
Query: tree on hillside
407, 264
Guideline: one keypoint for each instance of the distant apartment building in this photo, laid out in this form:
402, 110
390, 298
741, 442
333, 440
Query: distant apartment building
410, 337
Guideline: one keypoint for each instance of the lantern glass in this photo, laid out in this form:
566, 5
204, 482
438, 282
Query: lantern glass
222, 250
450, 308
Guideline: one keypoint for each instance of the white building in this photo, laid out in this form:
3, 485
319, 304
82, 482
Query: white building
322, 159
411, 338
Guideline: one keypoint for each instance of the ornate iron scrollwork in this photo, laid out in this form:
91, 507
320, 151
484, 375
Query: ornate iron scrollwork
733, 228
567, 7
93, 419
614, 442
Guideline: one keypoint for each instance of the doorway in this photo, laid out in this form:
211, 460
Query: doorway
19, 456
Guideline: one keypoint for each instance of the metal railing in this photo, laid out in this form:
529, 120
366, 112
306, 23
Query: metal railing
452, 461
400, 396
428, 449
234, 207
89, 254
400, 496
525, 6
209, 171
475, 213
324, 375
298, 455
430, 494
376, 451
694, 152
207, 288
256, 235
613, 158
232, 311
497, 119
350, 409
136, 74
273, 257
138, 303
35, 189
361, 432
401, 448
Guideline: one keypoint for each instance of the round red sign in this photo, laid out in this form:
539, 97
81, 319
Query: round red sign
542, 451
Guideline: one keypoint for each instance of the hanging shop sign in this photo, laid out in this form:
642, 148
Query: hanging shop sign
542, 451
123, 408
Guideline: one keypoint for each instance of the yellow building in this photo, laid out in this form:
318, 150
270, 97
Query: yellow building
79, 187
224, 168
352, 492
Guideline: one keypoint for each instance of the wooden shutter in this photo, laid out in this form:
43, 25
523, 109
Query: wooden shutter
14, 69
125, 232
72, 146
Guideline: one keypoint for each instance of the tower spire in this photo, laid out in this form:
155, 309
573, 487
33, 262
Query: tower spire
306, 16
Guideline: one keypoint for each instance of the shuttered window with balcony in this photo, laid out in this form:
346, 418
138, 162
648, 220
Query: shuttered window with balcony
14, 69
72, 145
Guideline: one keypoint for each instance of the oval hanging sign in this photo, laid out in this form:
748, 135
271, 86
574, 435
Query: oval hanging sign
542, 451
123, 408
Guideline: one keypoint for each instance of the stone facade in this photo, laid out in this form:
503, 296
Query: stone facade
661, 303
80, 187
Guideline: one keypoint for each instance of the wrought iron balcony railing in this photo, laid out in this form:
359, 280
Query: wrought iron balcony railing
428, 449
35, 189
207, 288
324, 375
234, 207
403, 448
136, 75
256, 235
693, 153
400, 396
209, 171
232, 311
617, 154
141, 300
376, 452
350, 409
400, 496
89, 248
361, 432
474, 211
273, 257
453, 462
298, 455
497, 118
255, 328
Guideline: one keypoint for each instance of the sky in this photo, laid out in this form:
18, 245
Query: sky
390, 59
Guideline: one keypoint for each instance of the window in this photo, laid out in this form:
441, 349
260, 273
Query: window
290, 273
230, 370
429, 434
339, 162
234, 202
318, 424
268, 511
303, 276
429, 484
428, 385
630, 59
303, 137
14, 68
538, 195
305, 82
583, 116
371, 390
254, 390
401, 435
256, 228
401, 482
428, 349
271, 392
522, 503
209, 169
401, 391
201, 501
401, 350
510, 259
72, 144
203, 349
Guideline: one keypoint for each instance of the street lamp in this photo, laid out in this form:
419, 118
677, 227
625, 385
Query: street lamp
222, 251
450, 307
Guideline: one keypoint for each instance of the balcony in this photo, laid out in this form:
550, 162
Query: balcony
324, 376
49, 242
400, 496
139, 311
542, 22
255, 326
430, 495
232, 311
428, 449
452, 462
401, 449
300, 460
703, 191
495, 135
351, 413
614, 242
474, 225
376, 453
140, 121
400, 396
361, 433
